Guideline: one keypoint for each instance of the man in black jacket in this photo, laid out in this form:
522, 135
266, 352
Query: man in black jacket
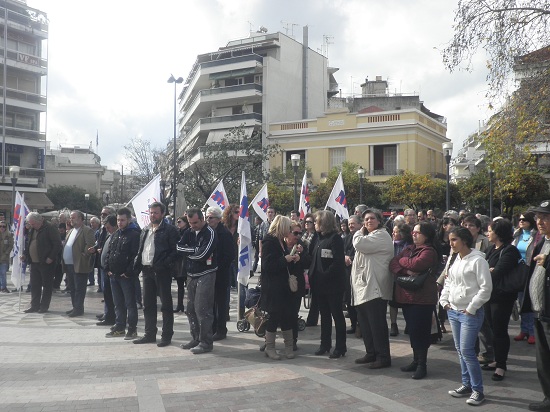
41, 252
121, 255
225, 252
539, 294
155, 258
199, 245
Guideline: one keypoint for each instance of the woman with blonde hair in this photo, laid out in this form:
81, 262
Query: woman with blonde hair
327, 277
276, 298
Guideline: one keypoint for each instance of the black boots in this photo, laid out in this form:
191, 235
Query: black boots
421, 370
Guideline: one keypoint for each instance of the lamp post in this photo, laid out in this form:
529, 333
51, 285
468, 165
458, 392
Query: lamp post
14, 175
295, 159
86, 198
491, 177
179, 80
361, 173
163, 191
448, 151
106, 198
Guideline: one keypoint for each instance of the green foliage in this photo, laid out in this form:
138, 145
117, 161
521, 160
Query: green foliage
282, 197
72, 198
418, 191
372, 194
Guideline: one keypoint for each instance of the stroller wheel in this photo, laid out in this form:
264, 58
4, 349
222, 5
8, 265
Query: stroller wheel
242, 325
247, 328
301, 324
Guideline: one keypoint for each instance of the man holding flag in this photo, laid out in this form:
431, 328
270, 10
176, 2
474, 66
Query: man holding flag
41, 253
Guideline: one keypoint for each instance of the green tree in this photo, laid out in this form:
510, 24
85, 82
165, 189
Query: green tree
372, 194
72, 197
418, 191
475, 191
227, 159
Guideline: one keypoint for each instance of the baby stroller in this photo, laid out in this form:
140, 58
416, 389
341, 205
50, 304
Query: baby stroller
254, 315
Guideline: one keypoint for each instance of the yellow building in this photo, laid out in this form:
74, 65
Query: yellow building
383, 142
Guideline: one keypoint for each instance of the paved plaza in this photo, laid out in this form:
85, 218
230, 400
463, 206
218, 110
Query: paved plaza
50, 362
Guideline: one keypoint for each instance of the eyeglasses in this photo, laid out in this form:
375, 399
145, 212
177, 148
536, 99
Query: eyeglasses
210, 217
3, 226
521, 219
308, 221
236, 212
297, 233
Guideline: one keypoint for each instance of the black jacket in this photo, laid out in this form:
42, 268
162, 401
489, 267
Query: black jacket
327, 273
503, 260
276, 294
200, 249
166, 238
225, 255
122, 252
48, 243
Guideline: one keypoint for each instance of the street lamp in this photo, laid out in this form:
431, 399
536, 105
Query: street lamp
86, 198
14, 174
172, 79
361, 173
295, 159
448, 151
491, 177
107, 192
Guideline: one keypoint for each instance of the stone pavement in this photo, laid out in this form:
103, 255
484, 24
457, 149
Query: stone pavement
50, 362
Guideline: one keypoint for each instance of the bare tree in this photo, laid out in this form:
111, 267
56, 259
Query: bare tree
505, 29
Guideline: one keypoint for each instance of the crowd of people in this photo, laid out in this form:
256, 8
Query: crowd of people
434, 269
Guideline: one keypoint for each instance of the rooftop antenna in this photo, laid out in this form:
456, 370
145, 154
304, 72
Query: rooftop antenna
250, 24
326, 41
288, 26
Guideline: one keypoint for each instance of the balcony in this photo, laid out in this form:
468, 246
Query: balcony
30, 23
25, 61
28, 100
220, 122
219, 95
25, 134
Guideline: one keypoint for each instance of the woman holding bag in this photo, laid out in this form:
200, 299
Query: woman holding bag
276, 298
418, 305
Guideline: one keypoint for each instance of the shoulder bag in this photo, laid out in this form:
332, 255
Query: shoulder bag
413, 282
515, 280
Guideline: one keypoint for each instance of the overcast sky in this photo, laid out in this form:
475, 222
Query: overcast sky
109, 61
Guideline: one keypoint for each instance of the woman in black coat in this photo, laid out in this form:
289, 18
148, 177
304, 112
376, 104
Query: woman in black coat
502, 258
276, 298
327, 276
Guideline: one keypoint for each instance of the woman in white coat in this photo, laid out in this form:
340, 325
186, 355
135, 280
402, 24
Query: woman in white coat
371, 287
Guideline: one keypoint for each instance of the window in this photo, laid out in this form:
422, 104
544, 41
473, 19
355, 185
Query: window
385, 160
337, 157
258, 79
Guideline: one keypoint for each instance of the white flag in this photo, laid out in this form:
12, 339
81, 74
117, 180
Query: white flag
337, 199
141, 201
245, 238
261, 203
218, 198
305, 207
20, 213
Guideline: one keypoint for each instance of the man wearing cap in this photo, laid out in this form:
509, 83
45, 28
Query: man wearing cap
539, 300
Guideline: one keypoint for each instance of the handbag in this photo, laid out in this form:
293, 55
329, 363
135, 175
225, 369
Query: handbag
292, 282
257, 318
514, 281
413, 282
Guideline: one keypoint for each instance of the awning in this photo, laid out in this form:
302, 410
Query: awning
216, 136
34, 200
232, 73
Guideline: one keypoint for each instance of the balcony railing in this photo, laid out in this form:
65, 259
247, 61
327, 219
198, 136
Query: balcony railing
385, 172
24, 133
34, 22
21, 57
230, 60
232, 118
24, 96
231, 89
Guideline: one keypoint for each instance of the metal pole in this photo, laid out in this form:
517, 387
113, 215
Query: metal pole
361, 189
448, 202
175, 167
296, 188
491, 173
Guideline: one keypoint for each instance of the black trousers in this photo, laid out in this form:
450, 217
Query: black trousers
419, 324
374, 328
221, 308
158, 284
42, 285
330, 307
499, 318
543, 355
109, 304
295, 304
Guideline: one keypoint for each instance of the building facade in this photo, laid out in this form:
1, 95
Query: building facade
23, 67
384, 134
255, 81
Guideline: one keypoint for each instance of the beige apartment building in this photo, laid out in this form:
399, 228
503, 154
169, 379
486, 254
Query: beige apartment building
383, 142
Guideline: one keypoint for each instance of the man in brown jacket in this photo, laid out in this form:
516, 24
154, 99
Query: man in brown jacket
41, 252
78, 261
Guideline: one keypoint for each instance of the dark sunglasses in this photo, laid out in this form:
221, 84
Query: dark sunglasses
297, 233
521, 220
308, 221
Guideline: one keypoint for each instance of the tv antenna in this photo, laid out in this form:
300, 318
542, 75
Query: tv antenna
288, 26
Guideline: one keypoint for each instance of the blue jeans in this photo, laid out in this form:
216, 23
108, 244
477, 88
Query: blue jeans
3, 270
124, 297
527, 319
465, 329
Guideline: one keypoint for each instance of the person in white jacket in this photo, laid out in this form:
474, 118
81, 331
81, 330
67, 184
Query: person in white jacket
467, 287
372, 287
